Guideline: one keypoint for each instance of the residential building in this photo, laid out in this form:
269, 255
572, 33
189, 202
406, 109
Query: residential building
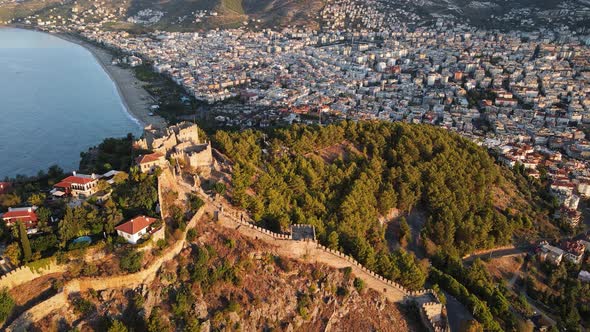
76, 185
134, 229
150, 162
550, 253
26, 215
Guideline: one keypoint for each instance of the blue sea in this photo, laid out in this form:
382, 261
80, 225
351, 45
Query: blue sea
55, 102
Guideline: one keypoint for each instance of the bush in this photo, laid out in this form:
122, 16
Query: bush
220, 188
182, 302
138, 300
83, 306
161, 244
89, 269
342, 291
57, 285
231, 243
40, 265
233, 306
347, 271
195, 202
131, 261
359, 284
191, 235
156, 323
303, 303
117, 326
6, 305
44, 243
317, 274
284, 263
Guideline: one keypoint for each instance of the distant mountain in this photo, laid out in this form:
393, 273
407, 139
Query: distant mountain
204, 14
502, 14
177, 14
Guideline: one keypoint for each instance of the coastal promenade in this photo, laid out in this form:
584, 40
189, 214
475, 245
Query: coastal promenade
136, 99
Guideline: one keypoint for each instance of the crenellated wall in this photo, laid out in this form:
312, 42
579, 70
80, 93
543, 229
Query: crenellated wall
431, 311
24, 274
304, 249
348, 259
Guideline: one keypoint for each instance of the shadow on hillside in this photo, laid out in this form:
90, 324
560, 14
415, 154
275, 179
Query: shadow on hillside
416, 220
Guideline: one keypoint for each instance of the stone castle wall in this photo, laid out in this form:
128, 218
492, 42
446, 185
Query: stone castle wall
24, 274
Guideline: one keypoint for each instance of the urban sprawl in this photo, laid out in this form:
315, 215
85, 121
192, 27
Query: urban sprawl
523, 94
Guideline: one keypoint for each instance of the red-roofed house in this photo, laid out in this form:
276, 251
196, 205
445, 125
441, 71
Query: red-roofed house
149, 162
26, 215
77, 185
135, 228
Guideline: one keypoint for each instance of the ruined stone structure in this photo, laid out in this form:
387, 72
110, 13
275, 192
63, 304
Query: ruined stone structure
181, 142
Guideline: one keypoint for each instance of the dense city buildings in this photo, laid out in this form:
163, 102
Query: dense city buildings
523, 94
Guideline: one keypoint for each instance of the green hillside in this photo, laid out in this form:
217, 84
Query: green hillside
345, 178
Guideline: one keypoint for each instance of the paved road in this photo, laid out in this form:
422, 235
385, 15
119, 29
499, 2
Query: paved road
534, 305
456, 313
498, 253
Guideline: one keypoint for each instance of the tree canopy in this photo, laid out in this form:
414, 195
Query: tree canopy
341, 178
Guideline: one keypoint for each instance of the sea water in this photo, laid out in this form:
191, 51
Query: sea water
55, 102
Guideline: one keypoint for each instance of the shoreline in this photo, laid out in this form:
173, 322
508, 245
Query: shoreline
135, 100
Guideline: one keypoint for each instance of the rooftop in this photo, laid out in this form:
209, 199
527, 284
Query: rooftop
135, 225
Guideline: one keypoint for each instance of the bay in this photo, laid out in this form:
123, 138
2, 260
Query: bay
55, 102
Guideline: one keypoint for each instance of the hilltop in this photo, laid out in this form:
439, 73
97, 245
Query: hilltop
349, 179
221, 280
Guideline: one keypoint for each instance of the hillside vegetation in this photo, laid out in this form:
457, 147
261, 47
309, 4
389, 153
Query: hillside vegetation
177, 14
497, 14
287, 178
225, 282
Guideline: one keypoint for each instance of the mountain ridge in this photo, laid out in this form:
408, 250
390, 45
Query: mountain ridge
207, 14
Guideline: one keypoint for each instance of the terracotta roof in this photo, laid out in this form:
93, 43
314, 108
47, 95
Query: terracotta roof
135, 225
20, 215
72, 179
148, 158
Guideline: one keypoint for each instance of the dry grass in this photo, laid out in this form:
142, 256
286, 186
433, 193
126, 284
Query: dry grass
504, 267
341, 150
29, 291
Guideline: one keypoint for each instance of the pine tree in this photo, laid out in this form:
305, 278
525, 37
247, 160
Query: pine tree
404, 230
333, 240
24, 242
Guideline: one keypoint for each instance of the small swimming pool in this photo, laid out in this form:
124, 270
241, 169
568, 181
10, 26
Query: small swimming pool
83, 239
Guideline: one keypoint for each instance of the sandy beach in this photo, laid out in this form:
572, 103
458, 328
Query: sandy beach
135, 98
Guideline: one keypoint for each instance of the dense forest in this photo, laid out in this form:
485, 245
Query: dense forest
341, 178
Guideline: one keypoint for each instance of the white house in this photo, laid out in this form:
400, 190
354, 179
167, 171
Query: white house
78, 185
135, 228
149, 162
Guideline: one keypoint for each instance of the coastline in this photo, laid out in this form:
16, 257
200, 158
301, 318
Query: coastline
135, 99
